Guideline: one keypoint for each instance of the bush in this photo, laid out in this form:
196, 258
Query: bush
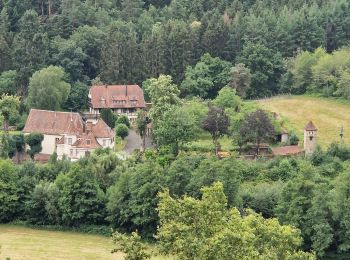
293, 139
123, 120
122, 130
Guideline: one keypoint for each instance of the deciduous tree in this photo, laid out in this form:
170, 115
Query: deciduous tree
257, 127
48, 89
216, 123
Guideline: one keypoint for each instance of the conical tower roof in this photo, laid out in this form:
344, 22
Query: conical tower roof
310, 127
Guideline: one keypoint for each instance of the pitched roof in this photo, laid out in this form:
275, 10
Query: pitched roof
286, 150
116, 96
54, 123
310, 127
87, 141
100, 129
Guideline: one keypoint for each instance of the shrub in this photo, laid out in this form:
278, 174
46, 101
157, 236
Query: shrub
122, 130
123, 120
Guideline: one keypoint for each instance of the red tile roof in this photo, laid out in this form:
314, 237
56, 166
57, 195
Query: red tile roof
116, 96
59, 123
101, 129
286, 150
54, 123
87, 141
310, 127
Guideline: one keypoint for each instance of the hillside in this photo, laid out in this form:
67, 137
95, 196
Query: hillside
327, 114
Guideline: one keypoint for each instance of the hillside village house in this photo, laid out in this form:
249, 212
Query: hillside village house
122, 99
66, 133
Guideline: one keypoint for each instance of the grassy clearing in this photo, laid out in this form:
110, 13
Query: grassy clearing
327, 114
25, 243
205, 143
19, 243
119, 144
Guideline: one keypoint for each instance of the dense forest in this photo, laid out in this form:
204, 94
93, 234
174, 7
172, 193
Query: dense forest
100, 191
195, 42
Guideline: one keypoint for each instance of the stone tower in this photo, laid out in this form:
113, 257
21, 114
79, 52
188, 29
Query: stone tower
310, 135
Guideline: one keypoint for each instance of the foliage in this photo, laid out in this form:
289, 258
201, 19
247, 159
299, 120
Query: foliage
228, 171
42, 207
216, 123
205, 229
80, 199
240, 79
131, 245
206, 78
174, 128
8, 82
227, 98
123, 120
122, 130
78, 97
266, 67
9, 191
142, 121
257, 127
132, 199
9, 106
34, 141
48, 89
109, 117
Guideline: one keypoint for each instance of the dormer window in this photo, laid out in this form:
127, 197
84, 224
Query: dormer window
103, 101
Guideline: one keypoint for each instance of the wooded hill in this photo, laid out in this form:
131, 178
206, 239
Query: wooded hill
130, 41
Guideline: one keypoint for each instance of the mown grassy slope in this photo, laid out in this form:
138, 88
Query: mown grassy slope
23, 243
19, 242
327, 114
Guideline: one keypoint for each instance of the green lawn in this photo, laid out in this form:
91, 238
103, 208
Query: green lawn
328, 115
18, 242
11, 132
205, 143
119, 144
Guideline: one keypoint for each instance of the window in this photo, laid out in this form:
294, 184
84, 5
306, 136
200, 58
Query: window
104, 142
71, 152
70, 141
88, 142
310, 138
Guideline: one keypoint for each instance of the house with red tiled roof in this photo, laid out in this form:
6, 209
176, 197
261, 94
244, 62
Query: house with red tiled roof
67, 133
122, 99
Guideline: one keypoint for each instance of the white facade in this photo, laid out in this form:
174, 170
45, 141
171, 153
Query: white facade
74, 153
284, 137
49, 143
130, 113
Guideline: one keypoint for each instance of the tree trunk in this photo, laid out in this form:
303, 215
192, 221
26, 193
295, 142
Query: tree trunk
49, 8
6, 126
42, 7
143, 142
215, 141
18, 156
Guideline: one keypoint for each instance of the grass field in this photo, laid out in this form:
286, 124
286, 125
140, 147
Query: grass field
23, 243
328, 115
19, 242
